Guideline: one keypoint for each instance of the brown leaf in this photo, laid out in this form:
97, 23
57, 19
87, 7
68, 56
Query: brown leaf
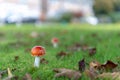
27, 77
81, 65
91, 73
71, 74
110, 76
75, 47
43, 61
109, 65
85, 47
94, 35
92, 51
16, 58
61, 54
95, 65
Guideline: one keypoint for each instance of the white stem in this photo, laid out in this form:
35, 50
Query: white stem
9, 73
37, 61
55, 45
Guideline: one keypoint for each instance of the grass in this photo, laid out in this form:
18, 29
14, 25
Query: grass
15, 42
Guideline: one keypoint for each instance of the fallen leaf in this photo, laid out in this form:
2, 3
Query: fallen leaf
95, 65
43, 61
92, 51
61, 54
27, 77
94, 35
16, 58
81, 65
85, 47
109, 65
91, 73
71, 74
75, 47
110, 76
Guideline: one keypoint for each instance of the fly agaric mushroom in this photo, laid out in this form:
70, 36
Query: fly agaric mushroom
55, 42
37, 51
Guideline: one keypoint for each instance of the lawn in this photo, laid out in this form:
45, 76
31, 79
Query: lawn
17, 42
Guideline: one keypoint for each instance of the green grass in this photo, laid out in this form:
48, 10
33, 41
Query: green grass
107, 43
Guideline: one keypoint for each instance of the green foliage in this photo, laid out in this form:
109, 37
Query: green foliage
117, 5
66, 17
115, 16
103, 6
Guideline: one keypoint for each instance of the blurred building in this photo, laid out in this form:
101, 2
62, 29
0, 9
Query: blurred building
18, 10
83, 6
83, 9
22, 10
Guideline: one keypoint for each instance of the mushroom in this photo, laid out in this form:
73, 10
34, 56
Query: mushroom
55, 42
37, 51
10, 75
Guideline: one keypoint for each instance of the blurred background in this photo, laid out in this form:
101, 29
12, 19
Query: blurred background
59, 11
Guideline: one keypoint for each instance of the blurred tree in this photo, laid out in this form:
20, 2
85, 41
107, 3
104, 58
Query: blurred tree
117, 5
66, 17
103, 6
44, 10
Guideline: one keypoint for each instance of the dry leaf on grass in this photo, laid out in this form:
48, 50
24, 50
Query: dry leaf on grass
75, 47
94, 35
91, 73
16, 58
85, 47
81, 65
71, 74
27, 77
92, 51
61, 54
109, 65
43, 61
111, 76
95, 65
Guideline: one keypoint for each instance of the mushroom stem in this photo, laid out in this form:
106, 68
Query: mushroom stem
9, 73
55, 45
37, 61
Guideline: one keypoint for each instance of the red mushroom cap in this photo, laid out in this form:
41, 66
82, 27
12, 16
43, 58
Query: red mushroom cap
55, 40
38, 51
